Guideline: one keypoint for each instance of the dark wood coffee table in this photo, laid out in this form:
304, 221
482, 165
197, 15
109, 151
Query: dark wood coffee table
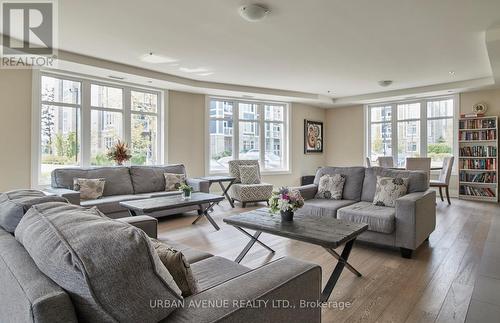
326, 232
204, 201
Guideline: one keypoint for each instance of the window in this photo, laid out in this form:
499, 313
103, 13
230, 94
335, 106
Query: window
80, 120
423, 128
247, 130
60, 129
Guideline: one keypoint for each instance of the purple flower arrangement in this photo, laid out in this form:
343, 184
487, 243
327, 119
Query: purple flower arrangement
286, 199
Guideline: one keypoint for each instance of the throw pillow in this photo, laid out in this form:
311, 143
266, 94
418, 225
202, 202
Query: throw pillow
89, 188
173, 181
109, 268
177, 266
249, 174
14, 204
389, 189
331, 187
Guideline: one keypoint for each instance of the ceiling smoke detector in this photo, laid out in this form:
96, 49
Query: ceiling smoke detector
254, 12
385, 83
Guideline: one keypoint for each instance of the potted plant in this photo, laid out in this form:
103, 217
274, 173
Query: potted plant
286, 201
186, 190
119, 153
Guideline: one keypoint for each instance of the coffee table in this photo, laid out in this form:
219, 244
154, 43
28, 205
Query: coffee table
327, 232
204, 201
221, 179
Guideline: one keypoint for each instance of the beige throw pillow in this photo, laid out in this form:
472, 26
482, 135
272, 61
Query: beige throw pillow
89, 188
331, 187
249, 174
389, 189
177, 266
173, 181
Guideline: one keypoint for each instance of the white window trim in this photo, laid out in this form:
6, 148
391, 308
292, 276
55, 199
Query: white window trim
85, 112
423, 124
287, 148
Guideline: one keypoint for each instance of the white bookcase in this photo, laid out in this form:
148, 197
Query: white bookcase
478, 158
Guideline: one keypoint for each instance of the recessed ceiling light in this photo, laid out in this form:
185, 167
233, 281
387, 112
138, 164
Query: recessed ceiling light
116, 77
451, 73
254, 12
193, 70
157, 59
384, 83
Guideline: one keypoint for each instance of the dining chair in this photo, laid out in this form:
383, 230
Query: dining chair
419, 163
444, 178
385, 161
368, 162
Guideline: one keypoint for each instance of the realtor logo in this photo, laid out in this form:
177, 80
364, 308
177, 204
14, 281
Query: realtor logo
28, 34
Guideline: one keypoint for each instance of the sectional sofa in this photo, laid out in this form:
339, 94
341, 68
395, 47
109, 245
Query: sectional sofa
405, 226
122, 184
52, 240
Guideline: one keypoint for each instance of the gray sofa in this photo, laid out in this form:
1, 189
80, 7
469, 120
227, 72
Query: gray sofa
122, 184
28, 295
405, 226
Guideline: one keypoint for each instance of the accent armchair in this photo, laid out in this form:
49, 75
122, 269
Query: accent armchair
247, 193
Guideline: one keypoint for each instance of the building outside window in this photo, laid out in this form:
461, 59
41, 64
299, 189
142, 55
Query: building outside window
239, 129
111, 112
424, 128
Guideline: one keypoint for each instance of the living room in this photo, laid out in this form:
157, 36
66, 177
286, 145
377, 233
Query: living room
324, 161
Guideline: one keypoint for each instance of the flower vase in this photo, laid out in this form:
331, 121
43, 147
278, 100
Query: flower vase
287, 216
186, 195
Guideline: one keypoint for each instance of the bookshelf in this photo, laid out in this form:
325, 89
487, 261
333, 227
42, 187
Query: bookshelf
478, 158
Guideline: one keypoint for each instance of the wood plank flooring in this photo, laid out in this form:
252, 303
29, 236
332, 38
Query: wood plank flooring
435, 286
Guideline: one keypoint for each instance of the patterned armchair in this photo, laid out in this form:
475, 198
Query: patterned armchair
247, 192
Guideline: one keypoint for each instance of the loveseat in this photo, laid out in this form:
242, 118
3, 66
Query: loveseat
122, 184
405, 226
227, 291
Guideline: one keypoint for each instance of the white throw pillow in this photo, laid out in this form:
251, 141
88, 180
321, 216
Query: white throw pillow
389, 189
89, 188
331, 187
173, 181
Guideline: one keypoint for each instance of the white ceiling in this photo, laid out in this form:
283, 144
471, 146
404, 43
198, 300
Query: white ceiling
313, 46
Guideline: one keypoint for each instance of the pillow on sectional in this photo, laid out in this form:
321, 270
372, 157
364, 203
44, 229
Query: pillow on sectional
249, 174
89, 188
14, 204
331, 187
173, 181
389, 189
177, 266
109, 268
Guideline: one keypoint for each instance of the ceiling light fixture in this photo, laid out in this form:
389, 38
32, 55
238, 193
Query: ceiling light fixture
254, 12
385, 83
452, 73
157, 59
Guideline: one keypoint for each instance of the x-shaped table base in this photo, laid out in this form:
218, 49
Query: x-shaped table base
204, 213
334, 277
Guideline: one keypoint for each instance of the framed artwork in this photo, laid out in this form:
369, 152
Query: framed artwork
313, 137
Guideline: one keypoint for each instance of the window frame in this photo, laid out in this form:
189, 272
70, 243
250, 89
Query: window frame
260, 123
394, 121
85, 117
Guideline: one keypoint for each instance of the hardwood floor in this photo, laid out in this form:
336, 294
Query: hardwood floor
434, 286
